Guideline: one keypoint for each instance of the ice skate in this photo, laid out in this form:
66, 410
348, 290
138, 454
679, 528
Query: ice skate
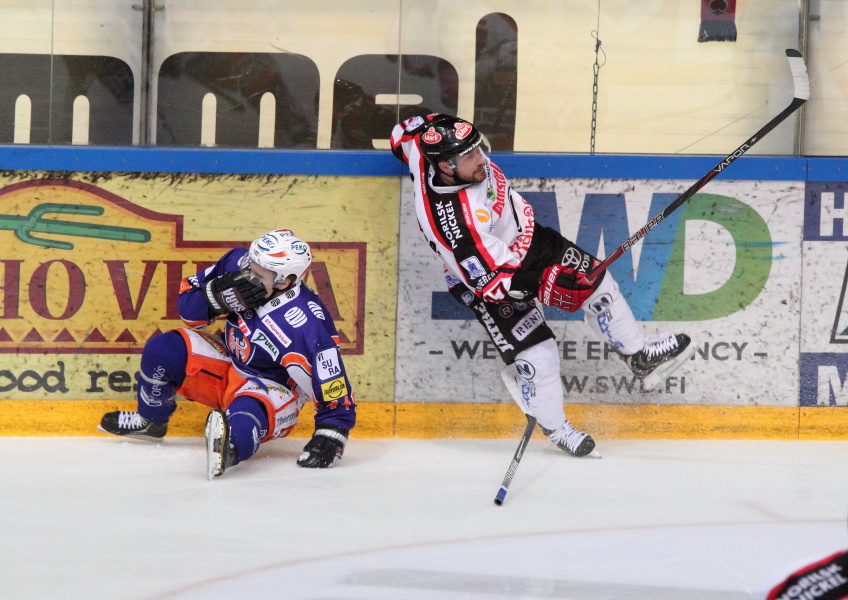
662, 355
220, 453
132, 425
572, 441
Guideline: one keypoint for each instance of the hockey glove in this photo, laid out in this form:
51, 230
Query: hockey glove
325, 449
234, 292
563, 287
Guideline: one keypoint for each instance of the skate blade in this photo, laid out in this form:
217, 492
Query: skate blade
214, 436
667, 368
135, 438
593, 454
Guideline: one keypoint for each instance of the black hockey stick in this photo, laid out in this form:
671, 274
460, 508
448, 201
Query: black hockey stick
801, 82
528, 431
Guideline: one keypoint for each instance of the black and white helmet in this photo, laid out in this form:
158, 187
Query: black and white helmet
282, 252
446, 137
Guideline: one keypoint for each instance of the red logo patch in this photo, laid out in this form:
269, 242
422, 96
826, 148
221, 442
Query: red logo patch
431, 136
462, 130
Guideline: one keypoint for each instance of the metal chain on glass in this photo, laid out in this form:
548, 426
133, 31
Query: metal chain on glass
596, 68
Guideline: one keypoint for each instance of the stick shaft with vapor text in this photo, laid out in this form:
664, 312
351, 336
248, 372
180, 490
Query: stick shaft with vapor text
801, 82
528, 431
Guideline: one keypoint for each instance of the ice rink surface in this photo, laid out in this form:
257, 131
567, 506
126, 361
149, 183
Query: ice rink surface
93, 518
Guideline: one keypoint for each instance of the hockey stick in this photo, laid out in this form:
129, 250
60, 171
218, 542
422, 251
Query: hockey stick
801, 82
528, 431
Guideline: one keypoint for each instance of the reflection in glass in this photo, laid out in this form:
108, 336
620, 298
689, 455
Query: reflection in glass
496, 79
107, 84
238, 81
23, 119
360, 121
208, 112
81, 121
52, 85
267, 108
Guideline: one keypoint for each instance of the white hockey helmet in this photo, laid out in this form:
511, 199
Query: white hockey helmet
282, 252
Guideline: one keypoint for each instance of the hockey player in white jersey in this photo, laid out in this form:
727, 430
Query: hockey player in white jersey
822, 578
279, 348
499, 260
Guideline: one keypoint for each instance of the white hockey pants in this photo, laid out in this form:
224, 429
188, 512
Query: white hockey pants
611, 319
534, 382
534, 379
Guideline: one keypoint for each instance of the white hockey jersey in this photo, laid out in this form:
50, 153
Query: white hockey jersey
482, 231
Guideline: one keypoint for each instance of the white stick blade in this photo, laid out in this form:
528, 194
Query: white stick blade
800, 78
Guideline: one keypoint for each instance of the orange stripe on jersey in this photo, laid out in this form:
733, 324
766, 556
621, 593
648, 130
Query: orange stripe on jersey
196, 324
293, 358
336, 340
185, 285
243, 326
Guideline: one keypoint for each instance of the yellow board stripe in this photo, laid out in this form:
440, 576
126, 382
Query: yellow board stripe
434, 420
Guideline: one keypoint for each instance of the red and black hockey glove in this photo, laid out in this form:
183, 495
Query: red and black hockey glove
563, 287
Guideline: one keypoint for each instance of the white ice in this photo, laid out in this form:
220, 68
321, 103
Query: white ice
93, 518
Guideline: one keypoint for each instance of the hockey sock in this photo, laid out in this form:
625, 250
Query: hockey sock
248, 425
610, 317
163, 364
538, 377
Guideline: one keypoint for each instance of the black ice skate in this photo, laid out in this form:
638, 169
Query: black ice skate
132, 425
220, 453
572, 441
662, 355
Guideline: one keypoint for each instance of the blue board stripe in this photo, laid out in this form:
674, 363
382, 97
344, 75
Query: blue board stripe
382, 163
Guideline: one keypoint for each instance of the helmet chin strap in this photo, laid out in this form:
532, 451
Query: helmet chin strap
442, 174
453, 176
276, 291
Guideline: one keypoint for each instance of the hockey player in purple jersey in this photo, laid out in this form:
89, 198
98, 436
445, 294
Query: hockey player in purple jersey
279, 348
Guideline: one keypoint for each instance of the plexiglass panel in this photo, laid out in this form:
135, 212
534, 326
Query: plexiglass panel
668, 76
826, 114
324, 63
67, 72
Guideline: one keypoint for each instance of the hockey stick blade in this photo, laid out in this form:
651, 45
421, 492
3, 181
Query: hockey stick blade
519, 452
801, 83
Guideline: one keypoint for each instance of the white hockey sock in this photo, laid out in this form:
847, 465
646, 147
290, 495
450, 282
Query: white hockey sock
610, 317
536, 384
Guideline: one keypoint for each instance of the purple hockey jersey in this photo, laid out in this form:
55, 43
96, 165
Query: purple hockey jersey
290, 337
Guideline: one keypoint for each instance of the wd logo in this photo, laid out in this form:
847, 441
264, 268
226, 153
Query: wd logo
823, 379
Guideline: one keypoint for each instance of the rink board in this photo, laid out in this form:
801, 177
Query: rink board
725, 269
436, 420
753, 268
92, 265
